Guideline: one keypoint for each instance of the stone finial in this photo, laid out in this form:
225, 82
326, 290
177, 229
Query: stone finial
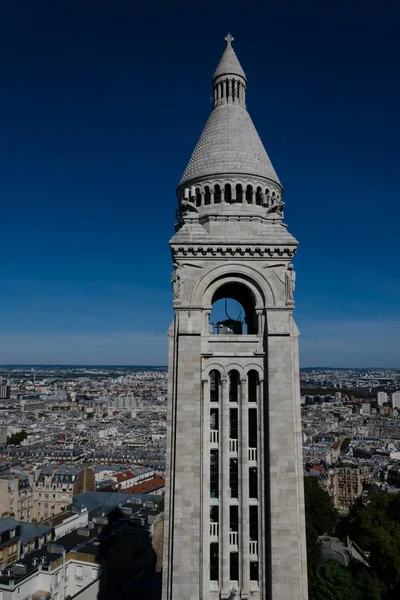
229, 39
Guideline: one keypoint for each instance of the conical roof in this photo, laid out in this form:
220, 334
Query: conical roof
229, 64
229, 145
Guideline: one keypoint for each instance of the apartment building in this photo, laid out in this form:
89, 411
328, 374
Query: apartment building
54, 488
16, 496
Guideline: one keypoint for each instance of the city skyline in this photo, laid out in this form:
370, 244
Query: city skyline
91, 157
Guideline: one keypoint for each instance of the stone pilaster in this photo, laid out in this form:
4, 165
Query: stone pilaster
244, 490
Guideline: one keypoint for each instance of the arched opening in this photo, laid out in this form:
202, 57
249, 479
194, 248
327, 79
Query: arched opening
252, 385
233, 386
198, 197
249, 194
239, 193
207, 195
259, 196
228, 193
215, 381
217, 194
233, 310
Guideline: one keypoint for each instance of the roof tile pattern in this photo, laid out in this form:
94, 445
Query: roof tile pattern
229, 64
229, 145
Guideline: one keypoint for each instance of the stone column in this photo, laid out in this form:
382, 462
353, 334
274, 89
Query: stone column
224, 495
205, 500
261, 492
244, 490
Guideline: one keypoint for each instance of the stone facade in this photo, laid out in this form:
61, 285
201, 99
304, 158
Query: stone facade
234, 506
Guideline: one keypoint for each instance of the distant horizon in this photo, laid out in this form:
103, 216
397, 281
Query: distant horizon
120, 366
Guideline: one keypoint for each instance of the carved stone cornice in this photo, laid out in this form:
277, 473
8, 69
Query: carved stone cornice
234, 251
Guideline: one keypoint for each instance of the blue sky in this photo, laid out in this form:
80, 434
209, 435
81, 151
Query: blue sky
101, 105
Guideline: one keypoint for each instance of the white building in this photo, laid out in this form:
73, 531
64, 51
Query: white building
234, 505
396, 400
382, 398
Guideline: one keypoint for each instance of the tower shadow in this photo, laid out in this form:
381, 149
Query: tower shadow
128, 561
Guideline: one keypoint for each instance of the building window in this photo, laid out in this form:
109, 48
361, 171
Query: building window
214, 473
253, 571
233, 423
234, 518
12, 533
252, 385
254, 523
252, 428
215, 380
214, 562
233, 386
214, 419
234, 566
234, 477
79, 572
253, 485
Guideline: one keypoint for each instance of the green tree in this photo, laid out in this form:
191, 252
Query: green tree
335, 582
375, 527
17, 438
345, 444
320, 513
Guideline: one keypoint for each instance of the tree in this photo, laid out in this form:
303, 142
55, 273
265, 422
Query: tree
320, 513
345, 444
375, 527
329, 580
17, 438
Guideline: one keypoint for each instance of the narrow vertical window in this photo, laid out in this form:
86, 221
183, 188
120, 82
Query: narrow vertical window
249, 194
253, 483
233, 386
228, 193
234, 566
252, 428
254, 571
214, 474
234, 477
252, 385
239, 193
214, 562
215, 380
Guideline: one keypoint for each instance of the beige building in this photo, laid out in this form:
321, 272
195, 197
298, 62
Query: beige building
16, 496
54, 488
10, 541
347, 486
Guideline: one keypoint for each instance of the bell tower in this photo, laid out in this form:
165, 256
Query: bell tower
234, 505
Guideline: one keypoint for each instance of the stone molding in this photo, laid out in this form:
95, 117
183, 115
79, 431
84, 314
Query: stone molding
261, 251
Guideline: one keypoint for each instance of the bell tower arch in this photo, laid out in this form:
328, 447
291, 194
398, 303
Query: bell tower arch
234, 506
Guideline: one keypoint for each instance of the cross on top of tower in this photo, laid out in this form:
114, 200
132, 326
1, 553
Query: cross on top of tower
229, 39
